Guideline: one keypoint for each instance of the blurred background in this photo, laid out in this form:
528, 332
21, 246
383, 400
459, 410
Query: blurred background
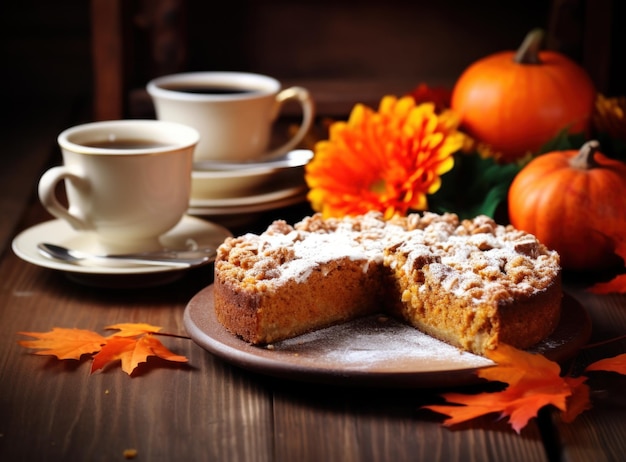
344, 50
71, 61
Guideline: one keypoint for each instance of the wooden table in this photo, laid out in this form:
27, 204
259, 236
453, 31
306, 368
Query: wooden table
212, 411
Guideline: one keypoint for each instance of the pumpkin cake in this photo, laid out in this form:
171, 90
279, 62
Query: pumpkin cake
471, 283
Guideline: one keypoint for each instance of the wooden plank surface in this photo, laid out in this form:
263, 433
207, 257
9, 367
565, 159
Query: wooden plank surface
59, 410
600, 433
209, 410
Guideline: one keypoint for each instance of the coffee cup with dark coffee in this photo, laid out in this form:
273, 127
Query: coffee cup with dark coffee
234, 112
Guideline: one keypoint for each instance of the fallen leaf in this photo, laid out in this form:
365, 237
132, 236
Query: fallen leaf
533, 382
159, 350
614, 364
578, 401
132, 345
618, 283
64, 343
131, 352
132, 329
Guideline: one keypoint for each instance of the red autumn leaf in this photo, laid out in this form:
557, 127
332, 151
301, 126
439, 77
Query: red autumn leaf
618, 283
132, 352
132, 329
615, 364
533, 382
64, 343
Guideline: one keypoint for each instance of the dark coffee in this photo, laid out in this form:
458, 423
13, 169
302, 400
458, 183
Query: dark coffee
125, 143
211, 90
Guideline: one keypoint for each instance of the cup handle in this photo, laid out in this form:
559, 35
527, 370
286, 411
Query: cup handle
308, 112
47, 195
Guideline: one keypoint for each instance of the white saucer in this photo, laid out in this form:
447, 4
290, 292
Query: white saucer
189, 232
283, 184
259, 198
295, 197
241, 182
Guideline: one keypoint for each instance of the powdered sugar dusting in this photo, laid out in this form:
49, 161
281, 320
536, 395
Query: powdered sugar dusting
377, 342
314, 242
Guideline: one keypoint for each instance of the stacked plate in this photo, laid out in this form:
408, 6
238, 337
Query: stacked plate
224, 191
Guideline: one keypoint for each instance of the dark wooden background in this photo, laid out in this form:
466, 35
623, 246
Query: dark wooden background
339, 48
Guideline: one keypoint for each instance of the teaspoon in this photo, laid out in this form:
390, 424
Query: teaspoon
175, 259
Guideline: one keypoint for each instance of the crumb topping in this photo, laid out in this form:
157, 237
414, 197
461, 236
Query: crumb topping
477, 258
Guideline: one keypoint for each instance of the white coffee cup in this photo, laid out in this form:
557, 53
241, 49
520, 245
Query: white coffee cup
234, 112
127, 181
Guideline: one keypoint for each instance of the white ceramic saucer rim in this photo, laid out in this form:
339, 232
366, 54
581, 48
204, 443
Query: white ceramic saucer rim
24, 245
262, 207
249, 200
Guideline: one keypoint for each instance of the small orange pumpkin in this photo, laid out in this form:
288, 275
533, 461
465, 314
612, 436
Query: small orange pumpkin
569, 200
517, 101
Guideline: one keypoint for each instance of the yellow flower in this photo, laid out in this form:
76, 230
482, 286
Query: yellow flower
388, 160
609, 116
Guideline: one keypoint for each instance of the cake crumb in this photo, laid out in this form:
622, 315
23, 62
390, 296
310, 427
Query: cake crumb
130, 453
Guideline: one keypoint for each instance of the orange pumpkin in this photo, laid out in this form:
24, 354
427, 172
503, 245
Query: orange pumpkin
569, 200
516, 102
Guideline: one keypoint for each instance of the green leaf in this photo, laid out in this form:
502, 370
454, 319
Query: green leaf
564, 141
473, 187
478, 186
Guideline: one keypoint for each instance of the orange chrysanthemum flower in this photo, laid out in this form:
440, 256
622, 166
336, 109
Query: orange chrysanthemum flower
388, 160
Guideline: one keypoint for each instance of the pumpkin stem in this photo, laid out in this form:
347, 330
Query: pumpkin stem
528, 52
584, 160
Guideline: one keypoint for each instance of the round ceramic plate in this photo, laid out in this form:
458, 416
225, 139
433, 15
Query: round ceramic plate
368, 351
190, 232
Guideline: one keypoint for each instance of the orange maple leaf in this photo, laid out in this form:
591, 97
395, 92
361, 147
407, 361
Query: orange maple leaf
614, 364
533, 382
132, 329
132, 352
64, 343
132, 345
618, 283
579, 400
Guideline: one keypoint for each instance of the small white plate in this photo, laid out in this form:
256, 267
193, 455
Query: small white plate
241, 182
188, 233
